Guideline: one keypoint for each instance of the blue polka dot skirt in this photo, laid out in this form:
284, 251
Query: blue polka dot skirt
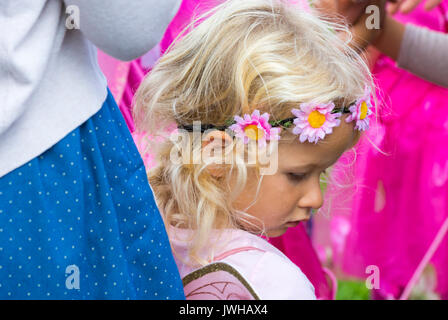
80, 221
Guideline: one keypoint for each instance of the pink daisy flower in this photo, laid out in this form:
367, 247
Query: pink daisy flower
314, 121
361, 111
255, 127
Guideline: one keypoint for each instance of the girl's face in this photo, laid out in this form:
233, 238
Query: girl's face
287, 197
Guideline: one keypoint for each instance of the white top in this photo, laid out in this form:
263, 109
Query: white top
268, 271
50, 82
424, 52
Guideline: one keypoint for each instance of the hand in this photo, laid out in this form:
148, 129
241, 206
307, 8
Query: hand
363, 35
354, 12
406, 6
350, 10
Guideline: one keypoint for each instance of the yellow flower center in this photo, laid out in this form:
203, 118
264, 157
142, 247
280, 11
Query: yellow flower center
253, 132
316, 119
364, 110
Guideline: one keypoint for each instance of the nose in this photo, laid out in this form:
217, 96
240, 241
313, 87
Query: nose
312, 197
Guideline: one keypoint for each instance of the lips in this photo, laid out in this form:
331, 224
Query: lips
292, 224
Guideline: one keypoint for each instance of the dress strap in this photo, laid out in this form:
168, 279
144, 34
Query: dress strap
235, 251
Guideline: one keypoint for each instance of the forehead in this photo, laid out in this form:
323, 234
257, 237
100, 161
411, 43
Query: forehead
292, 153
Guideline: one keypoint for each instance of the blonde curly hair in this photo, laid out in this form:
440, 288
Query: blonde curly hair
269, 55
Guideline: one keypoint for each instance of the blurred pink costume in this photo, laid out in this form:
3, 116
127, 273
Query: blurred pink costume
399, 201
295, 243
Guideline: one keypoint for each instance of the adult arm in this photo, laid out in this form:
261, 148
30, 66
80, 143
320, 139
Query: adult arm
425, 53
125, 29
417, 49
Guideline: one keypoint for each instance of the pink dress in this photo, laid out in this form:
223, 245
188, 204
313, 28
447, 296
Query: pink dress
264, 269
295, 244
394, 205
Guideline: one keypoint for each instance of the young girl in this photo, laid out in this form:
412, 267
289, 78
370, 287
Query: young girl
124, 79
269, 82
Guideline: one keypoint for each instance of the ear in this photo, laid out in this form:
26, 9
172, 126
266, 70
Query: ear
214, 146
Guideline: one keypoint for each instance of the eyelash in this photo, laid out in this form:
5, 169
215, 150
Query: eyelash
299, 177
296, 177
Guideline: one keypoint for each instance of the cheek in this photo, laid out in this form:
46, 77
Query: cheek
276, 200
273, 188
279, 195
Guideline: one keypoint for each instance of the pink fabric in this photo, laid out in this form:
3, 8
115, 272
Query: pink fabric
139, 67
435, 245
235, 251
116, 73
267, 270
295, 243
297, 246
135, 77
217, 285
396, 204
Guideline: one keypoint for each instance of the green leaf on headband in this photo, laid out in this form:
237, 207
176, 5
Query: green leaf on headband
288, 124
281, 123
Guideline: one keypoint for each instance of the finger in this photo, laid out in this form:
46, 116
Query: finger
362, 36
393, 7
409, 5
431, 4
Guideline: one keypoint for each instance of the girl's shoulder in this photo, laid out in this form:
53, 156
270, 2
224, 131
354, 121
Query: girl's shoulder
268, 271
261, 266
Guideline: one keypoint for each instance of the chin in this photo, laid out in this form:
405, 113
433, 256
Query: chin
277, 232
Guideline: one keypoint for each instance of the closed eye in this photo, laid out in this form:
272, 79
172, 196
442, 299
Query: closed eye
296, 177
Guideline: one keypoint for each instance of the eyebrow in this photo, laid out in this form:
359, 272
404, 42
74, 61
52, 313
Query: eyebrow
309, 166
303, 166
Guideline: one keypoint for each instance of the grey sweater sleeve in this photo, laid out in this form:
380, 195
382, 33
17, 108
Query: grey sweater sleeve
425, 53
124, 29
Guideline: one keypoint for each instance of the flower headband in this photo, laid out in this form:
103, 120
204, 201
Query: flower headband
313, 121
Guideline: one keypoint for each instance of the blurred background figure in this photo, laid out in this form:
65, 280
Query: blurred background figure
398, 218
